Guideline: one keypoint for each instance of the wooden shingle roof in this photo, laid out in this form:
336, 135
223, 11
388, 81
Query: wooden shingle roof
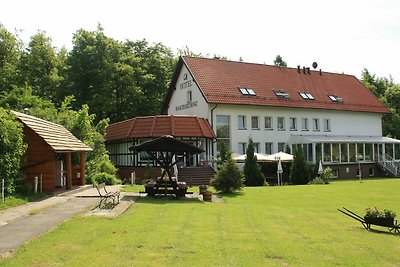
157, 126
55, 135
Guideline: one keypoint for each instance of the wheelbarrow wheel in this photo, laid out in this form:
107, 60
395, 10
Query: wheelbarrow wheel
395, 229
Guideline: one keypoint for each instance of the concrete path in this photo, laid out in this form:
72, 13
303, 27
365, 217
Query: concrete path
22, 223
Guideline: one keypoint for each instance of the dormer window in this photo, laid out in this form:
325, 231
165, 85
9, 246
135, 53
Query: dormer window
247, 91
281, 94
306, 96
335, 98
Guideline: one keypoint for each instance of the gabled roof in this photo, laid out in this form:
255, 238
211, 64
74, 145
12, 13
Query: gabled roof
157, 126
55, 135
220, 82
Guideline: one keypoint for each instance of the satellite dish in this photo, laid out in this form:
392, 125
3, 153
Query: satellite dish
314, 65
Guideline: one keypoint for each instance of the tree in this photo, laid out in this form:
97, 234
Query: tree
12, 149
38, 67
252, 170
228, 178
300, 171
279, 61
10, 52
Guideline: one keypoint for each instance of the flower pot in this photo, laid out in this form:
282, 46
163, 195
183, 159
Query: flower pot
207, 196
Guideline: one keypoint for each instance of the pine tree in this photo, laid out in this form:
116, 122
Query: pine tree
300, 171
252, 170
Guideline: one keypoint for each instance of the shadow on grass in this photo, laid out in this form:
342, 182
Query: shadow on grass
230, 195
162, 200
382, 232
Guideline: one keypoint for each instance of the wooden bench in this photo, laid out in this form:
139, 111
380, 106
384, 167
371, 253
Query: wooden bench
106, 195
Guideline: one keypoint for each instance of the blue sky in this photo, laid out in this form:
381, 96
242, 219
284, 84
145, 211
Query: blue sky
342, 36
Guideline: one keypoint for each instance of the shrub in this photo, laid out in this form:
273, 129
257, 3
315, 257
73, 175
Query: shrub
252, 170
228, 178
103, 177
374, 212
301, 171
325, 177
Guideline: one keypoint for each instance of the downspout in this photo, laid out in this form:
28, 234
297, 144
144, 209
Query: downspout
212, 126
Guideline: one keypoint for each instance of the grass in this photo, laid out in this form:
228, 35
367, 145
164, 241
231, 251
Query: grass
18, 200
262, 226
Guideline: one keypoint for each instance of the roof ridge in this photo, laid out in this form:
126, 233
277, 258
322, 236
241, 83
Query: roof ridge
130, 128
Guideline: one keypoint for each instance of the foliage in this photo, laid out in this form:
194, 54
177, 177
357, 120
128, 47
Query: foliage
228, 178
12, 149
324, 178
300, 171
374, 212
388, 93
224, 153
252, 170
279, 61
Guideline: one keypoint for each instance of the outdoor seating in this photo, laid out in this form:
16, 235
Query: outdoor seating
105, 196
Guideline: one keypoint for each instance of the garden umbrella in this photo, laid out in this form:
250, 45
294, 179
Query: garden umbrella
282, 156
320, 168
260, 157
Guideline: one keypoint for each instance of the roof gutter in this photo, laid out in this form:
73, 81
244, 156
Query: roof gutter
212, 125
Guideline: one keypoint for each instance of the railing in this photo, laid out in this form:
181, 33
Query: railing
389, 164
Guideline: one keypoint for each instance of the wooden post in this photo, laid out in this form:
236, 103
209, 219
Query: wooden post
69, 171
83, 167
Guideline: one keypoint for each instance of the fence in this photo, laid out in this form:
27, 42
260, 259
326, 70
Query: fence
19, 183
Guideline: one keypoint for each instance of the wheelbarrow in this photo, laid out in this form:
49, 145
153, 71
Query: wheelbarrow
390, 223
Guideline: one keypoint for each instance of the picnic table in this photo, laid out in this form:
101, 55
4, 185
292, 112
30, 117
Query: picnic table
165, 186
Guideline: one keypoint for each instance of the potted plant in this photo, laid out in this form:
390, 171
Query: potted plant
383, 218
207, 196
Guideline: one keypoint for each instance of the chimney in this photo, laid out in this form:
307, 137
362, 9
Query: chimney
320, 72
298, 69
308, 70
304, 70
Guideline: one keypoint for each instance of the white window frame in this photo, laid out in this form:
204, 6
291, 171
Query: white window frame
189, 96
242, 148
244, 118
258, 123
293, 124
256, 146
270, 123
316, 126
304, 124
282, 119
327, 125
271, 145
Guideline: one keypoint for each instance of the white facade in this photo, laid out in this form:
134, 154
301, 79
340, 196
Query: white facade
187, 99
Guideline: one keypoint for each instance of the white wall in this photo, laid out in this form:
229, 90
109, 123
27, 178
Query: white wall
179, 105
342, 123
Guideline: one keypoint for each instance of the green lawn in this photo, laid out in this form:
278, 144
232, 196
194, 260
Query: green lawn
264, 226
18, 200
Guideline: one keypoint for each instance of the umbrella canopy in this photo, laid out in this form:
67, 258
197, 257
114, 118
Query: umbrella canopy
260, 157
167, 143
282, 156
320, 168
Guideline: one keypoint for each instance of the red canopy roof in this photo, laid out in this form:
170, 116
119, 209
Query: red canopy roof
157, 126
220, 80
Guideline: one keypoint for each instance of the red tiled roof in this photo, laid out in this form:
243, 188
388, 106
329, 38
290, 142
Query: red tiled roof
219, 81
157, 126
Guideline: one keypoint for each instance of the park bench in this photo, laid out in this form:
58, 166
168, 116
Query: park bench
105, 196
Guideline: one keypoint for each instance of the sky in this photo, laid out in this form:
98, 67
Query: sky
343, 36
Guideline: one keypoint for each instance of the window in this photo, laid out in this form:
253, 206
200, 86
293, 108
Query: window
327, 125
242, 148
268, 123
281, 123
281, 94
327, 152
268, 148
241, 122
343, 153
255, 123
335, 173
189, 96
335, 98
247, 91
281, 147
306, 96
223, 131
316, 127
256, 147
293, 124
304, 124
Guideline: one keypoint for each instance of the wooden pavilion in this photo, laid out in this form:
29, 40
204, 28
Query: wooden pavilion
49, 155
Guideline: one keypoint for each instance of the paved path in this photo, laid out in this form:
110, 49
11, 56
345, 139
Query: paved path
22, 223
